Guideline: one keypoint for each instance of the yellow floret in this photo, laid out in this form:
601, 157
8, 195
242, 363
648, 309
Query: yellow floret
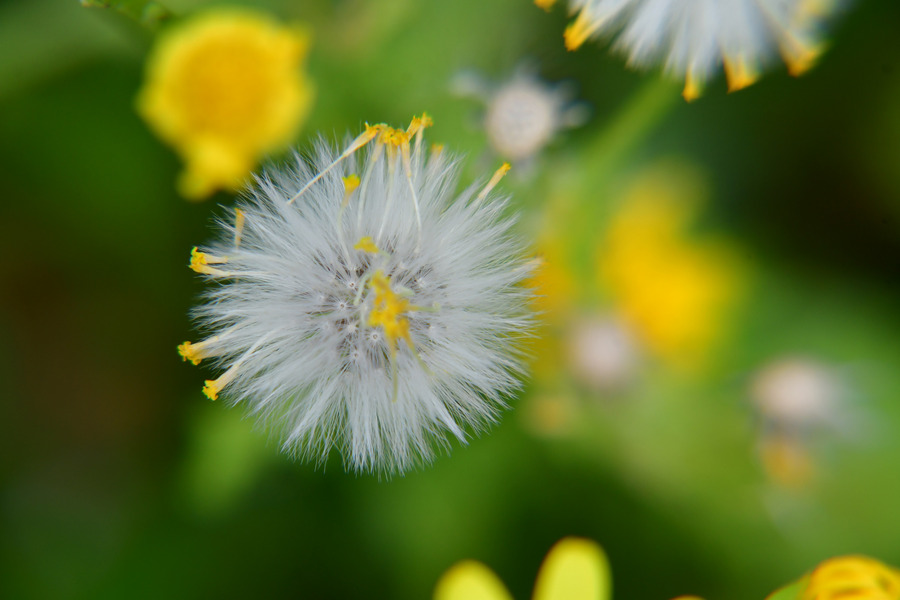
225, 88
366, 245
389, 312
201, 261
351, 182
211, 389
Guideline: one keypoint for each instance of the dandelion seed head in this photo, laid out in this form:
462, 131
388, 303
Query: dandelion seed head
696, 38
321, 318
524, 113
797, 393
603, 353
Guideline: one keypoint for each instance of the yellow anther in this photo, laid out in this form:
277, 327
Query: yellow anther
545, 4
495, 179
436, 149
419, 123
197, 352
351, 182
239, 219
200, 262
389, 311
799, 56
580, 30
211, 389
392, 137
693, 89
739, 73
371, 132
367, 245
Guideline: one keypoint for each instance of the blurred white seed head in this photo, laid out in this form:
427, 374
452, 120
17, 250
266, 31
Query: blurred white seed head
360, 303
603, 354
522, 114
798, 393
695, 38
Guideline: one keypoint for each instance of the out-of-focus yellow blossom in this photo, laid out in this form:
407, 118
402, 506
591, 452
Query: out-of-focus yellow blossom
853, 578
673, 291
574, 569
225, 88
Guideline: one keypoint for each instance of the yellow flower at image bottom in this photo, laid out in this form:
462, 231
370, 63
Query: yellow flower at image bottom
853, 578
224, 88
574, 569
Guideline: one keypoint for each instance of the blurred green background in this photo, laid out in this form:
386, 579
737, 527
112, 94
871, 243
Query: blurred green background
120, 480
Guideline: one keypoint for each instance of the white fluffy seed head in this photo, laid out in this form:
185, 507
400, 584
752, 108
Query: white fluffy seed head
522, 117
524, 113
603, 353
694, 38
797, 393
294, 312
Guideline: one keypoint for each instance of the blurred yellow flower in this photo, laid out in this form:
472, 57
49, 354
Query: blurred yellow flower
574, 569
673, 291
853, 578
225, 88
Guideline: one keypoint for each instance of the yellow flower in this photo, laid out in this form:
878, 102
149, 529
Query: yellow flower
574, 569
225, 88
853, 578
673, 291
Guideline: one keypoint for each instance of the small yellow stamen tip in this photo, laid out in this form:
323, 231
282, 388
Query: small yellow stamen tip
198, 351
579, 31
201, 261
800, 58
187, 353
393, 138
366, 244
545, 4
437, 148
351, 182
692, 88
739, 74
495, 179
417, 124
372, 130
211, 389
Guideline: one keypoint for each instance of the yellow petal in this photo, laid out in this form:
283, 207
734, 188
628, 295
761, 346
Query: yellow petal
575, 569
470, 580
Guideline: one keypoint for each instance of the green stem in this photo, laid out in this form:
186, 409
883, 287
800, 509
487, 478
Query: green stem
584, 199
629, 128
146, 12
